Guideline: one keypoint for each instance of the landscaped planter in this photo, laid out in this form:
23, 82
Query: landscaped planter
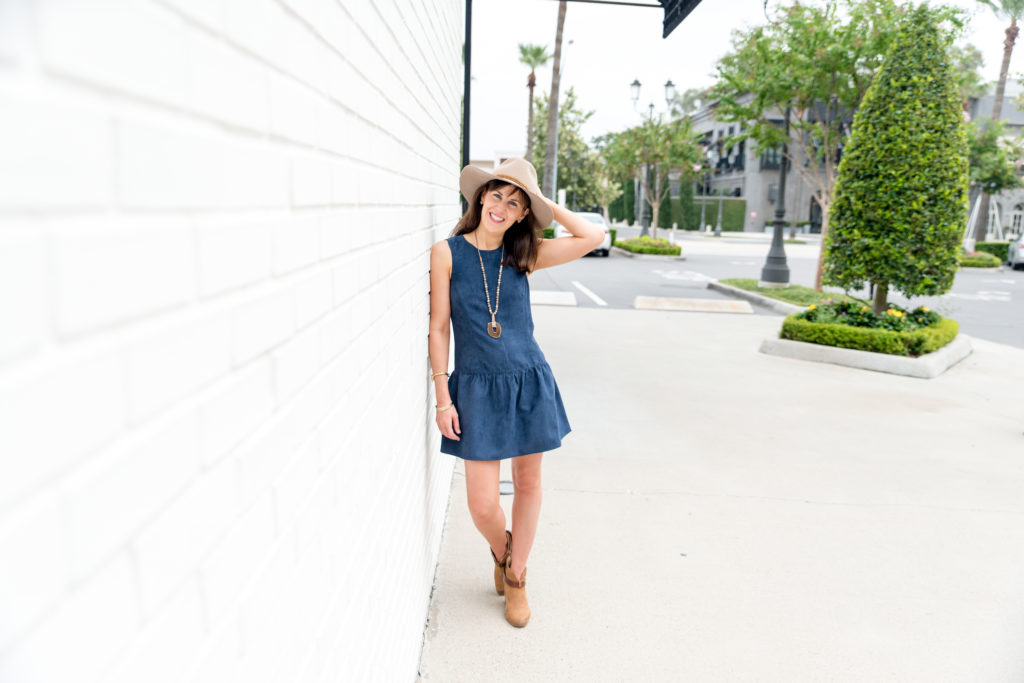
917, 343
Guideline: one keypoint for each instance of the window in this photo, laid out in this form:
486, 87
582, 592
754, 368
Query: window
771, 158
1017, 218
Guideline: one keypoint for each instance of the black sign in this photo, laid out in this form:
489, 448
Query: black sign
675, 12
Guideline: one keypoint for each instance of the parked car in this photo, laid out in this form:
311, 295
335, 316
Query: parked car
597, 218
1015, 254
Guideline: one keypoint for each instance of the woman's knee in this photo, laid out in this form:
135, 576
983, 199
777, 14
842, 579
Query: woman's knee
483, 506
526, 478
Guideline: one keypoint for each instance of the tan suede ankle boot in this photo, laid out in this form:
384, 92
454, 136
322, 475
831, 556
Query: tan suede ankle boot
517, 609
499, 565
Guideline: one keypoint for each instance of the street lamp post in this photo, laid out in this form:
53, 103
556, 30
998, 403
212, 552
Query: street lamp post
640, 207
775, 273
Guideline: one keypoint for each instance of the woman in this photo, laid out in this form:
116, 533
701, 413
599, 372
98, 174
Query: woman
501, 400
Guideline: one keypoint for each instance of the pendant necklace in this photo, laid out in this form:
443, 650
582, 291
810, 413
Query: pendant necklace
493, 327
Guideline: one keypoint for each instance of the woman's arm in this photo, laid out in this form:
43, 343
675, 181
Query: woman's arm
586, 237
440, 334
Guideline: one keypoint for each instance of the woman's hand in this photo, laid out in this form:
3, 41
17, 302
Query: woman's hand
448, 423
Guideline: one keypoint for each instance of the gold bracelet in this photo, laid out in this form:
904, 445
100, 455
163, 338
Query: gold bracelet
445, 373
441, 409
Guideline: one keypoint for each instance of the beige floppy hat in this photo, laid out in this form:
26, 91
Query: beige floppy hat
518, 172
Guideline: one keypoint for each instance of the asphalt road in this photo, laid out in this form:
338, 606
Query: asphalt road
987, 304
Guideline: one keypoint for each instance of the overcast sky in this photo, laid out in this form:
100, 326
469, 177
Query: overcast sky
612, 45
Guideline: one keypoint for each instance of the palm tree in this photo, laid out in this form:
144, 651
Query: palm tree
551, 153
533, 56
1012, 10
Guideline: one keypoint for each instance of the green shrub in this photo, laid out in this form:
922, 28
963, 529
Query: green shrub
912, 343
649, 245
980, 259
549, 233
1001, 250
858, 314
613, 231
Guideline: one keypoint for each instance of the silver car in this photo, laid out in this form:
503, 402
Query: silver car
597, 218
1015, 254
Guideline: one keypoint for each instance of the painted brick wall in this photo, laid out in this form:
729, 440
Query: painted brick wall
217, 453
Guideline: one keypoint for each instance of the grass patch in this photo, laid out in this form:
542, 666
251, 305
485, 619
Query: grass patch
649, 245
794, 294
980, 259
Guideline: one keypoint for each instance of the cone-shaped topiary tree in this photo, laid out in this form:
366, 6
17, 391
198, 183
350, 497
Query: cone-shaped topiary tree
901, 194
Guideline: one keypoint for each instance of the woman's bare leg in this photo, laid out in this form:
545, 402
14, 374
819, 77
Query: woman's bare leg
482, 495
525, 508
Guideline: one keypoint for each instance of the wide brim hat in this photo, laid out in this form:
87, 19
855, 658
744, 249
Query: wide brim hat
515, 171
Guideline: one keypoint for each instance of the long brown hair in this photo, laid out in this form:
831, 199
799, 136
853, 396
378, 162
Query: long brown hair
521, 240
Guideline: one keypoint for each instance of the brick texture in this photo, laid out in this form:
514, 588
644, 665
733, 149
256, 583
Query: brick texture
218, 460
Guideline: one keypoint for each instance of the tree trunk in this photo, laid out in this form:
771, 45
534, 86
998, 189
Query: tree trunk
981, 226
551, 153
824, 204
529, 121
655, 208
880, 303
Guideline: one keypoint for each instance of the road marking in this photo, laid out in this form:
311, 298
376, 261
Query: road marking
1003, 297
690, 275
549, 297
594, 297
668, 303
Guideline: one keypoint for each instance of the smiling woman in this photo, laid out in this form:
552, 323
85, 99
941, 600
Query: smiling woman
501, 401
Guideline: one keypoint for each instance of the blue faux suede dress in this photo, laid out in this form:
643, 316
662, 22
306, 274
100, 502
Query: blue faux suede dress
503, 389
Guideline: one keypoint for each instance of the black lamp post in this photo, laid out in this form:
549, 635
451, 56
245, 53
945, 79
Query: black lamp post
775, 273
641, 214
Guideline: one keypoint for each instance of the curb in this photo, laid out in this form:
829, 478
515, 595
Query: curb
657, 257
759, 299
926, 367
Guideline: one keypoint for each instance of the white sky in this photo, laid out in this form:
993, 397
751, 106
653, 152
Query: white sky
612, 45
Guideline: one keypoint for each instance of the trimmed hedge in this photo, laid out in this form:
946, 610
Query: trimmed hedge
1001, 250
980, 259
649, 245
614, 232
912, 343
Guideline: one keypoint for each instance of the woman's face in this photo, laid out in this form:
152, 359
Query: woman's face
502, 208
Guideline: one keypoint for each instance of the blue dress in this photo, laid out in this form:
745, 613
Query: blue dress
503, 389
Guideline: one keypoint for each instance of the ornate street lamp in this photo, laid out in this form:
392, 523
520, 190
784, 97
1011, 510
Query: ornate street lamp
775, 273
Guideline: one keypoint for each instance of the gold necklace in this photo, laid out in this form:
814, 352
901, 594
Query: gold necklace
493, 327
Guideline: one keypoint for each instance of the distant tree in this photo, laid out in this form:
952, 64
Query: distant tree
688, 102
577, 162
967, 63
663, 148
993, 157
1012, 11
901, 196
607, 188
533, 56
818, 60
550, 151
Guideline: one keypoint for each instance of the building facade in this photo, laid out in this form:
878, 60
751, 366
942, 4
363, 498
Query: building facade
741, 170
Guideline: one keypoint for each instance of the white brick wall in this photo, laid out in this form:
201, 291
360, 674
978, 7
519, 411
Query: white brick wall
217, 453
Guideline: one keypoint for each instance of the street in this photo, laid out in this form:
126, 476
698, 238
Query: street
988, 305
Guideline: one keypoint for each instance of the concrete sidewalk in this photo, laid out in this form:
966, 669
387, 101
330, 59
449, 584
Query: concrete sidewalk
721, 515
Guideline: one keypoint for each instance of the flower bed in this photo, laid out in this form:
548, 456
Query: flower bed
852, 326
648, 245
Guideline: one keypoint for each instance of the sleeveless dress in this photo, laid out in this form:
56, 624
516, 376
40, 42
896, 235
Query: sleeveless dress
503, 389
